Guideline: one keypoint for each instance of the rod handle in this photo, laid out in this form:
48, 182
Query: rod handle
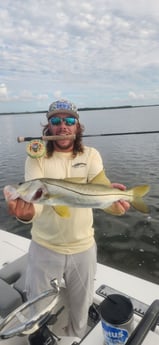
46, 138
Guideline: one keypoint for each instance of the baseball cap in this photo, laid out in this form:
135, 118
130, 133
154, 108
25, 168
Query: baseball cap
62, 106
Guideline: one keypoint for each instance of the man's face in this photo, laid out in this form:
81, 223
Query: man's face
63, 124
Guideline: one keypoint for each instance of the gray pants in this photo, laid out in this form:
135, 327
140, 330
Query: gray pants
78, 271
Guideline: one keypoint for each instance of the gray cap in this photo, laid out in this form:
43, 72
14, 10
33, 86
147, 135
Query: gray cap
62, 106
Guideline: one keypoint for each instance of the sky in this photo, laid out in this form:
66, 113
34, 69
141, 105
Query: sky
95, 53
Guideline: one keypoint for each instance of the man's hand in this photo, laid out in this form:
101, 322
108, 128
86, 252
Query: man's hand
21, 209
121, 205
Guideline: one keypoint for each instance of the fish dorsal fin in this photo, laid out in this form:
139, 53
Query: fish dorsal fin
75, 179
101, 179
62, 211
98, 179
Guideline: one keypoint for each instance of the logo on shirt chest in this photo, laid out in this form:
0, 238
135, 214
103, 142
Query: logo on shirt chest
79, 165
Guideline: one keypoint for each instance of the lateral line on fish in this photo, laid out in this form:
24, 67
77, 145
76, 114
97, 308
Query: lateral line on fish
103, 194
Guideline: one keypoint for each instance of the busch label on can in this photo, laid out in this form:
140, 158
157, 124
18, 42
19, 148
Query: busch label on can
117, 319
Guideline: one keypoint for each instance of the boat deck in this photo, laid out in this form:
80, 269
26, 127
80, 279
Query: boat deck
13, 247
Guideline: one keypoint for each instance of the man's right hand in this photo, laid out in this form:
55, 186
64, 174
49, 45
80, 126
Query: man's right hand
21, 209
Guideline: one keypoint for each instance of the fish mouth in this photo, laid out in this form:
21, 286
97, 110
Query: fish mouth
37, 194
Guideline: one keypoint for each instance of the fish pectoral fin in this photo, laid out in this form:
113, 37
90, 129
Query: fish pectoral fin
62, 211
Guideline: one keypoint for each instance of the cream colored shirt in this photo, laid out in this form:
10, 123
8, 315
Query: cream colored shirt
64, 235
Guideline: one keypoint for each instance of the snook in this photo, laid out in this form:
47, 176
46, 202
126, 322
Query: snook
65, 193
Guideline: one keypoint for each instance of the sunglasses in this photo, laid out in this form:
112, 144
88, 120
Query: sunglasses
56, 121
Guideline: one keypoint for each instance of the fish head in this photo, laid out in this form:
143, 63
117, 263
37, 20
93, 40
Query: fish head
32, 191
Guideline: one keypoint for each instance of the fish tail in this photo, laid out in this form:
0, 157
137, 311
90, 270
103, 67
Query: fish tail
137, 201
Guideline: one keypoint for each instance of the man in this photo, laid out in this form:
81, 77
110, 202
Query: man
64, 247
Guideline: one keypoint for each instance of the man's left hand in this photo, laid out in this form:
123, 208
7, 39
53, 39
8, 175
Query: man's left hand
121, 205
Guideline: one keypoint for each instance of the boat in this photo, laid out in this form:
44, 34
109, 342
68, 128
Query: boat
143, 294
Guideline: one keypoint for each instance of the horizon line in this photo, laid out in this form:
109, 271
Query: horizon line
82, 109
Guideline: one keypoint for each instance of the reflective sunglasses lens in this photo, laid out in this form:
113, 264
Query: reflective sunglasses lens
70, 121
55, 121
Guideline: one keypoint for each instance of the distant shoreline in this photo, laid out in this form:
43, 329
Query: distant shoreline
84, 109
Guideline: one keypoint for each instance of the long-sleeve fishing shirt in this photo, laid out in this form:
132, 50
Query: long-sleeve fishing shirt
64, 235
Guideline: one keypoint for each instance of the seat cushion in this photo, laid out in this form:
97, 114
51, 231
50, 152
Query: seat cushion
14, 273
10, 298
14, 270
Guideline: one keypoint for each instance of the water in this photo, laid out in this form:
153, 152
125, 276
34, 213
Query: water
130, 242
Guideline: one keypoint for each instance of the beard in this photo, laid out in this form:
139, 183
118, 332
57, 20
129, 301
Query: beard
68, 145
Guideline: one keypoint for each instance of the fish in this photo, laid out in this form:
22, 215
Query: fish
62, 194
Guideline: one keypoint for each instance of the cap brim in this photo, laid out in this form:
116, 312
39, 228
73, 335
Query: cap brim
62, 111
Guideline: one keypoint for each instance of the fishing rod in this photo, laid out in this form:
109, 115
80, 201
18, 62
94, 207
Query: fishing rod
61, 137
36, 147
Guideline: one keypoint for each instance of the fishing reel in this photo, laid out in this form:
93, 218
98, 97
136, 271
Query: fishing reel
36, 148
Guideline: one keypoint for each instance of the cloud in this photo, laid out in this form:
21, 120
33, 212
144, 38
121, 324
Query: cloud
3, 92
57, 94
133, 95
79, 48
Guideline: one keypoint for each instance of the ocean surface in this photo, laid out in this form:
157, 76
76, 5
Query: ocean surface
131, 242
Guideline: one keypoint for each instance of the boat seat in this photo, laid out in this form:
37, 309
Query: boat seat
10, 298
14, 275
12, 285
